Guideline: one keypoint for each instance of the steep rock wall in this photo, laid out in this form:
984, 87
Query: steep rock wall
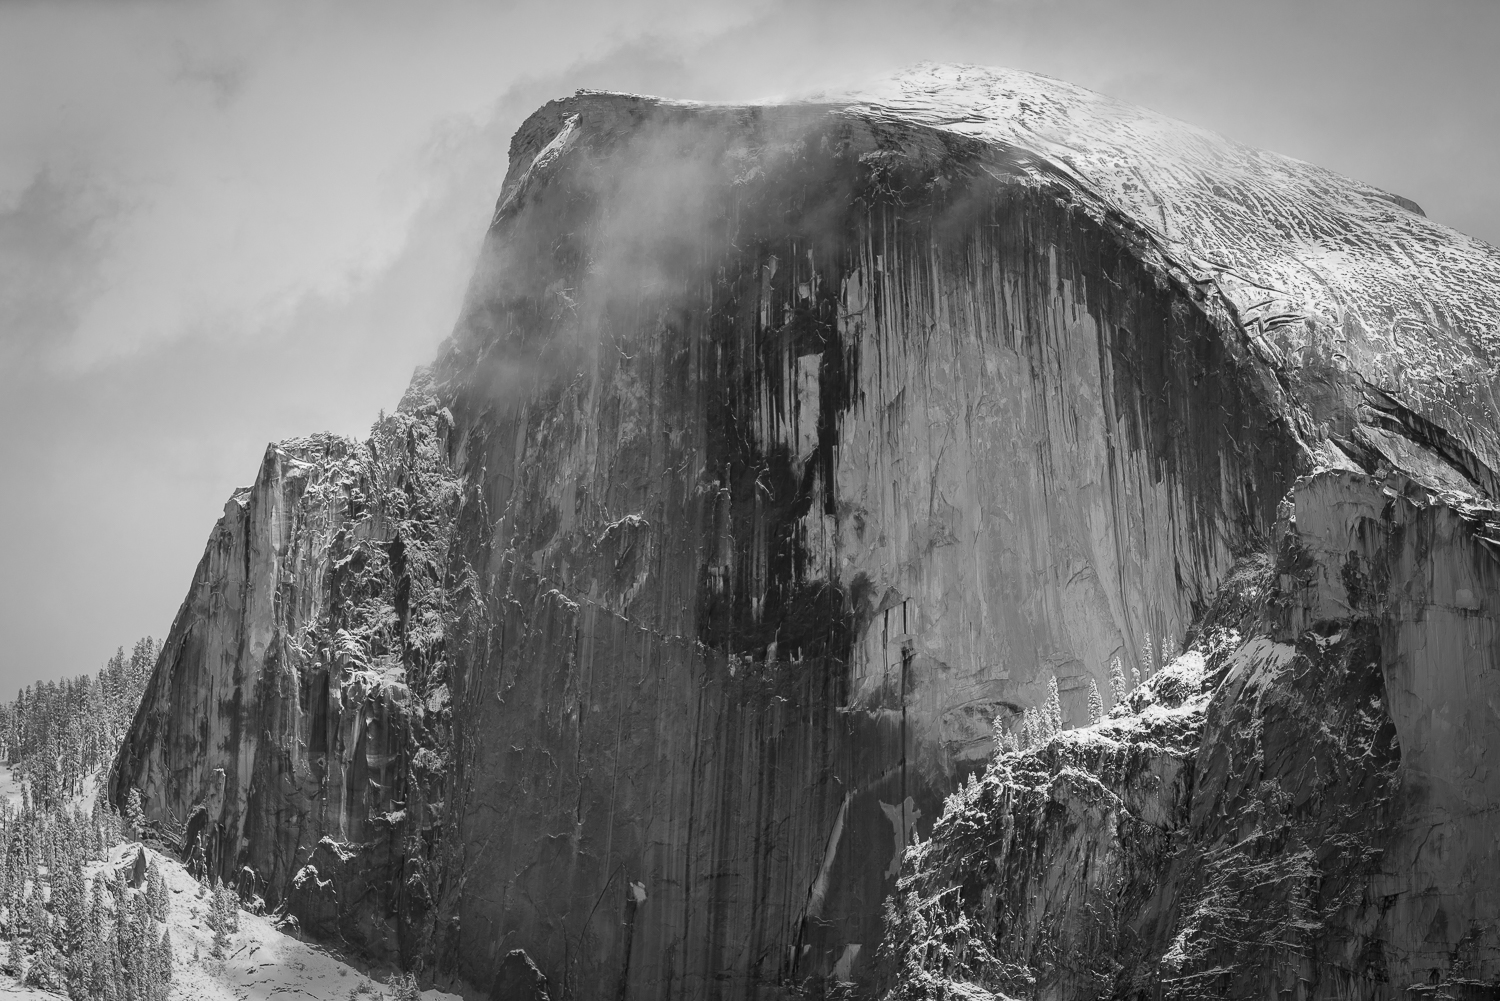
775, 453
776, 504
299, 702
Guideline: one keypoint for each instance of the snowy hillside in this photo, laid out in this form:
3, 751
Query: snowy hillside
260, 962
85, 908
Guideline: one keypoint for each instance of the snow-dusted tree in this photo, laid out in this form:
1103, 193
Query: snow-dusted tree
1148, 658
148, 973
16, 955
114, 989
43, 970
1052, 712
135, 815
10, 878
1096, 702
96, 942
127, 944
221, 940
70, 913
404, 987
1005, 740
164, 961
231, 907
224, 917
1117, 686
55, 734
156, 891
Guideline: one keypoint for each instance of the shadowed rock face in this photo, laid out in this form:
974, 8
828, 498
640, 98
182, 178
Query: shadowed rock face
808, 480
776, 452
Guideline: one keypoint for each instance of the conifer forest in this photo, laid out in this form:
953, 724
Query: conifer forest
72, 922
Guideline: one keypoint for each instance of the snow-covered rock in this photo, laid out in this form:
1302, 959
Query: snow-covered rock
1330, 724
779, 450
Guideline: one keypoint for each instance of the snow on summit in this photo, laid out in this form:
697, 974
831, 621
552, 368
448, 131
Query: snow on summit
1318, 269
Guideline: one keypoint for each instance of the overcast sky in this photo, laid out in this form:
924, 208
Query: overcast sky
227, 223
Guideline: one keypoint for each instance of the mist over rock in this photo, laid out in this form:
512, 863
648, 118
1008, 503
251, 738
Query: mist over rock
776, 453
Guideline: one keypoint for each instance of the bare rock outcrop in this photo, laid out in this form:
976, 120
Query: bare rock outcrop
776, 452
299, 707
1294, 806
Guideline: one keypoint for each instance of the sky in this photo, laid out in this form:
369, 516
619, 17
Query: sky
225, 223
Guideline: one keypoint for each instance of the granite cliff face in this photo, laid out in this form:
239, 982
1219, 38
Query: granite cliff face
299, 704
780, 450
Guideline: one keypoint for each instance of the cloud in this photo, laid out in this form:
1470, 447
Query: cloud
252, 160
51, 247
230, 166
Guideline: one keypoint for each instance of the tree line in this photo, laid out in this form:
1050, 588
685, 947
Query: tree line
1035, 726
71, 920
56, 734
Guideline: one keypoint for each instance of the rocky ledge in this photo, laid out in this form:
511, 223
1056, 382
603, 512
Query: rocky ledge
1299, 806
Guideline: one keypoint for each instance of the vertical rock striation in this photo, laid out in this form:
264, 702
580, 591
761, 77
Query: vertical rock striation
776, 452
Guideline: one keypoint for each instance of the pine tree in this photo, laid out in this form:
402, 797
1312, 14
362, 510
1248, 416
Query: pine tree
43, 971
1027, 738
1096, 702
125, 945
114, 984
156, 891
114, 827
1052, 709
135, 815
1117, 686
70, 909
96, 955
12, 954
141, 926
7, 867
95, 837
164, 961
17, 956
149, 972
1005, 741
53, 736
231, 907
220, 915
